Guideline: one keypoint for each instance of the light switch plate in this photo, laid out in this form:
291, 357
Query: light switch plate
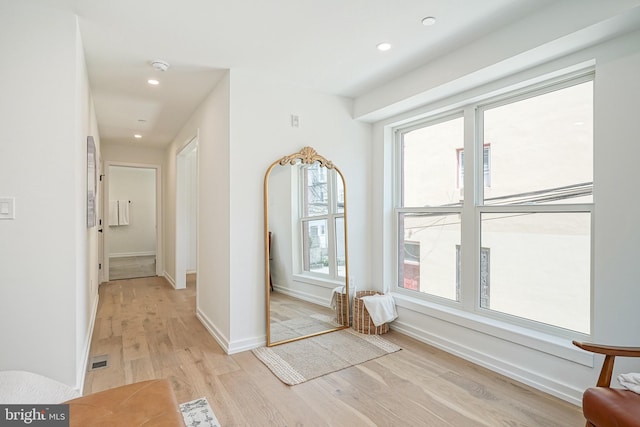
7, 208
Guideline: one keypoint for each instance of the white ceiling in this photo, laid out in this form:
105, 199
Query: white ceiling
325, 45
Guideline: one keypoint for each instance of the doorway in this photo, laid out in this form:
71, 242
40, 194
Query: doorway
131, 222
186, 214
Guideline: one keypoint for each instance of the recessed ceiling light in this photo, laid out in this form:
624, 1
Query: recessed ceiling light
429, 20
137, 136
384, 46
153, 82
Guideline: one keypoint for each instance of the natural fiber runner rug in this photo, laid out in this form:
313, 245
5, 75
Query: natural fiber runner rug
301, 326
198, 413
299, 361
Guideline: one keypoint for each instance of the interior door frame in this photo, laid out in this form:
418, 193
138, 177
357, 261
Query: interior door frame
101, 225
181, 211
105, 214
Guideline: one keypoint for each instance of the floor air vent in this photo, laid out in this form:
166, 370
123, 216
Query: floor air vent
99, 362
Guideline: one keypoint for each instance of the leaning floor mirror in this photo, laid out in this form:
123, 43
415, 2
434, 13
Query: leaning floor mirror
305, 238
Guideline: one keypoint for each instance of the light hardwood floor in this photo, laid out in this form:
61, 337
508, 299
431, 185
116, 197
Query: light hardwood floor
148, 330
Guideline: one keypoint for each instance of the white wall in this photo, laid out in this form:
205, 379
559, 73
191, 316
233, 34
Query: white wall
617, 234
233, 158
326, 124
136, 186
88, 247
132, 153
550, 364
210, 122
47, 283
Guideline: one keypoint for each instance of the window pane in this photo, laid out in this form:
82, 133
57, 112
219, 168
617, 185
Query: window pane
427, 258
316, 251
430, 164
340, 192
316, 195
541, 149
540, 266
340, 250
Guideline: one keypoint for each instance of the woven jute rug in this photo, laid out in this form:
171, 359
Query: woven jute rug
301, 326
299, 361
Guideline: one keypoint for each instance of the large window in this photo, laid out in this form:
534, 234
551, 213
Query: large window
494, 207
322, 221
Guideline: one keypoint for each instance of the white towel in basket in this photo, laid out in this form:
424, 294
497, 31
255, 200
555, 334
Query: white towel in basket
381, 308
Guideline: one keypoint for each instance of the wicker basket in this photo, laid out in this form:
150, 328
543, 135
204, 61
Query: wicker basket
361, 320
342, 309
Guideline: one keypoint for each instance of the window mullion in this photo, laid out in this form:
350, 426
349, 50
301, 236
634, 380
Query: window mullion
469, 235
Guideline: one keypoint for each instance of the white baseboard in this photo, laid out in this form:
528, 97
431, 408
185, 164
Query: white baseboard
169, 279
215, 332
502, 367
229, 347
247, 344
302, 296
82, 372
128, 254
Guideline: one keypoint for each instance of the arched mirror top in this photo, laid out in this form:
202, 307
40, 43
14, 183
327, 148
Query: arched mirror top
307, 156
305, 241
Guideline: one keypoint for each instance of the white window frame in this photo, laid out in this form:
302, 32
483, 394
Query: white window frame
467, 310
330, 217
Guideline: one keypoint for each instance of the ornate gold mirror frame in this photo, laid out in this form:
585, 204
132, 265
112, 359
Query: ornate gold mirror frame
306, 156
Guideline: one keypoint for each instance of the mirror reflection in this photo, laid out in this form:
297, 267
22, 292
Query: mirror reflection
306, 248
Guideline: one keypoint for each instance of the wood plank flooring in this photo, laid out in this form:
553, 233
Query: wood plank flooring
149, 330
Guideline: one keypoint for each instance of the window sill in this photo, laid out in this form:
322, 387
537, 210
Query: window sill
318, 281
536, 340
